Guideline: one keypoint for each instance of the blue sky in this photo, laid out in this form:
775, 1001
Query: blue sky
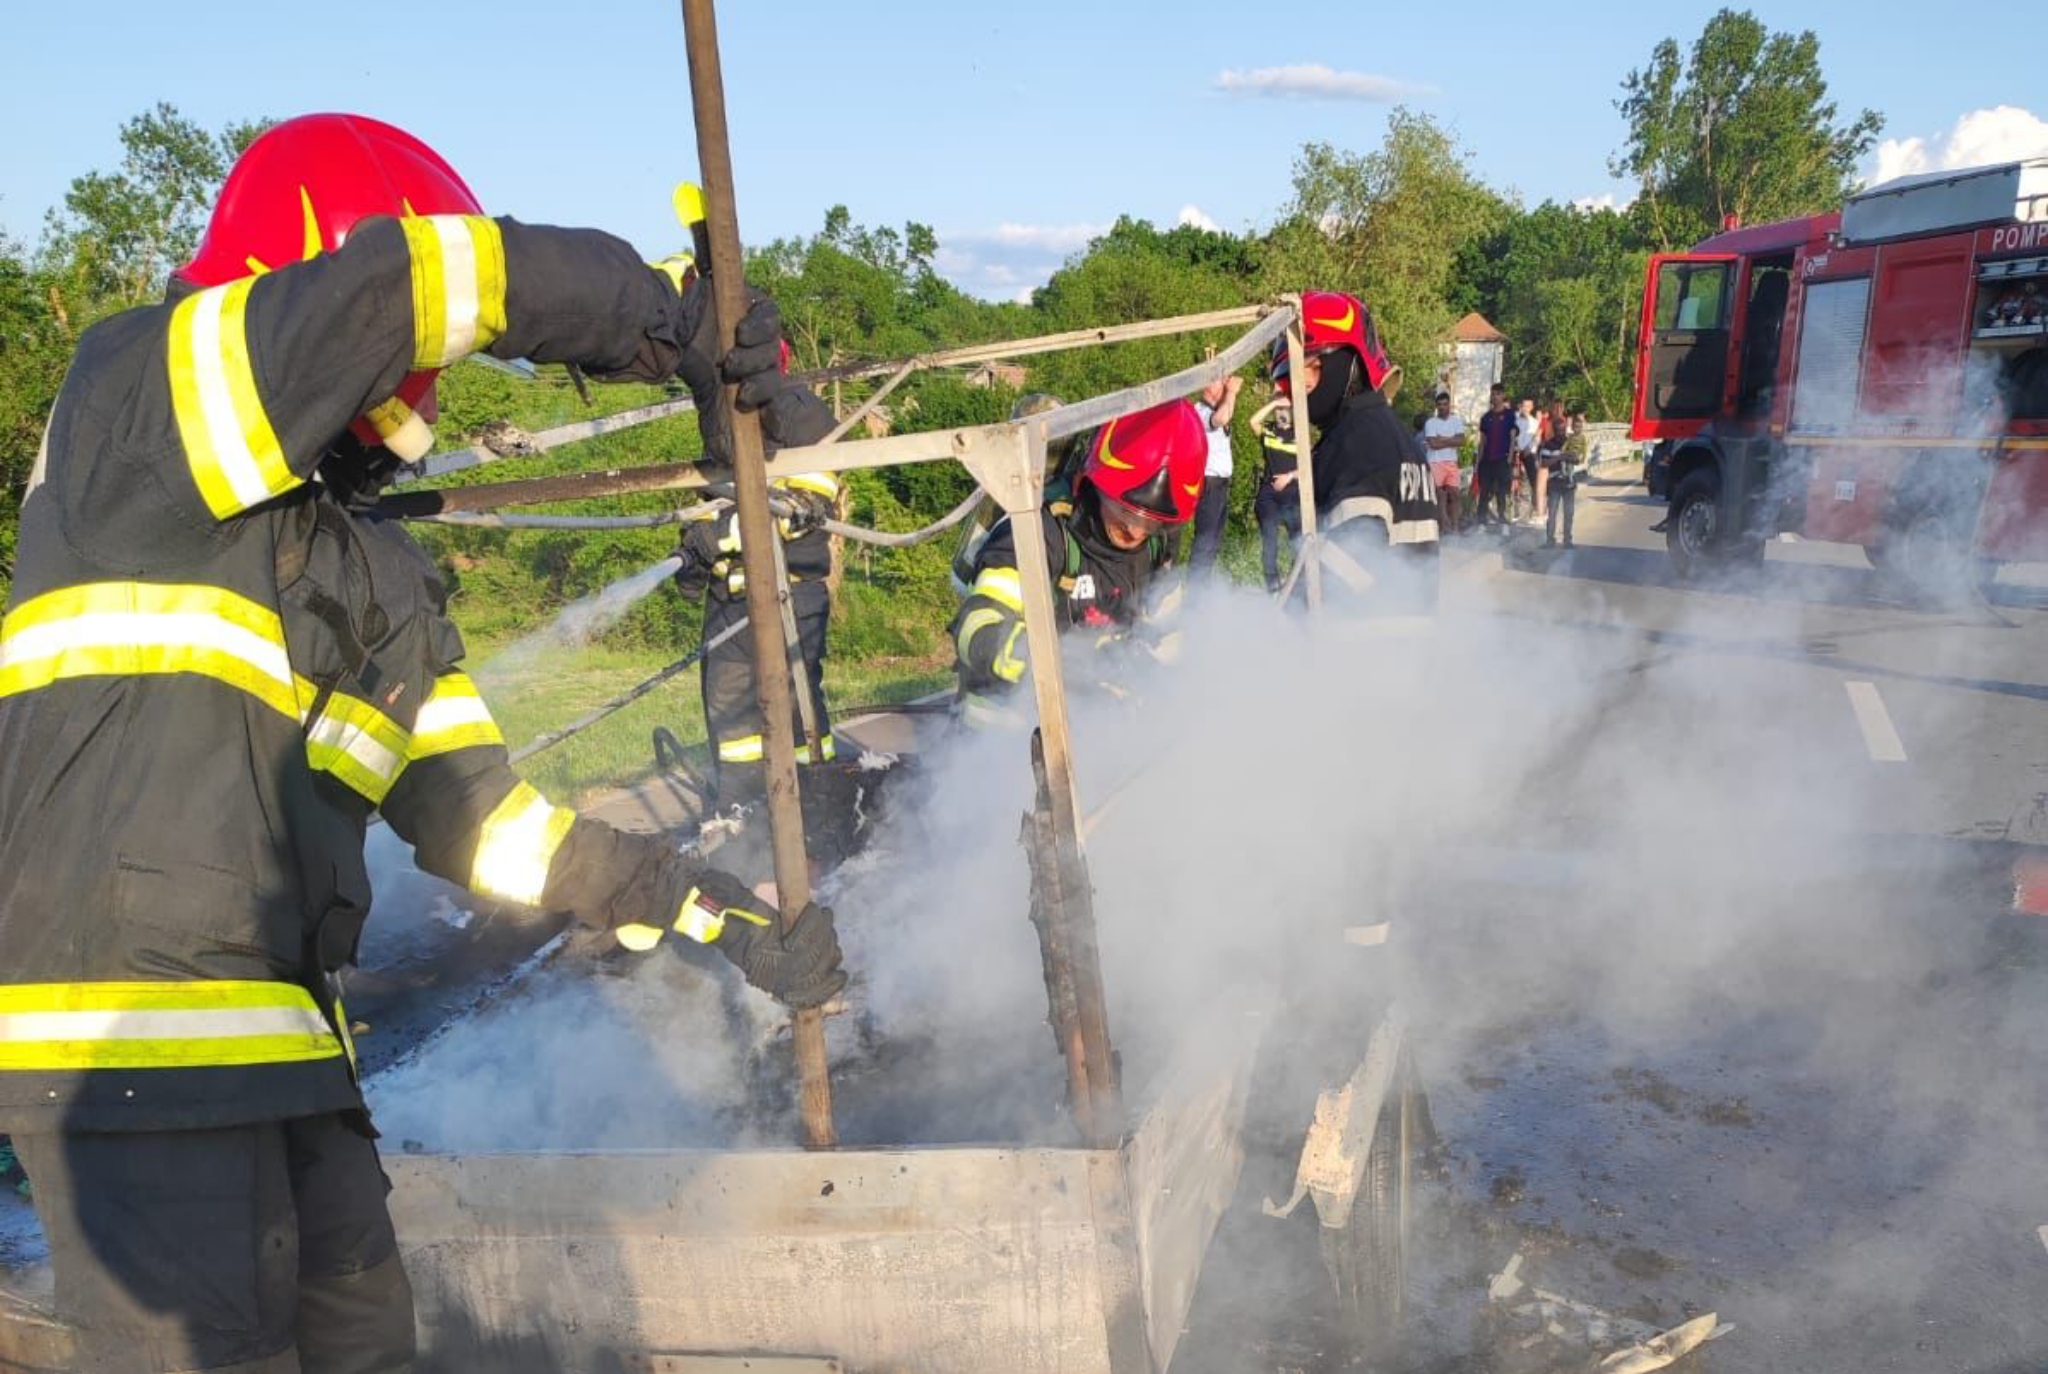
1013, 130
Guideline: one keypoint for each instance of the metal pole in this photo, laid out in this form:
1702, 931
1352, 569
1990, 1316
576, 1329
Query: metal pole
1103, 1122
757, 550
1305, 467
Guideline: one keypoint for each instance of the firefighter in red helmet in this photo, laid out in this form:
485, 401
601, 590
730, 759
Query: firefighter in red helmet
1105, 540
217, 662
1374, 498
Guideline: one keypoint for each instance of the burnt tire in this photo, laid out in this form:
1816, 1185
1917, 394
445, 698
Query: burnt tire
1368, 1259
1692, 534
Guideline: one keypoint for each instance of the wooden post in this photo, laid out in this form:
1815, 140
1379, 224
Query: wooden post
1102, 1121
758, 548
1305, 467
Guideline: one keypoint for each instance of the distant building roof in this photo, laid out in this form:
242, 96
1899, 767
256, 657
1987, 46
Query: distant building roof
1476, 328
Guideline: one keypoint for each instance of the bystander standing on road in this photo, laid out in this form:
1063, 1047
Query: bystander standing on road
1528, 436
1278, 504
1443, 434
1564, 458
1217, 408
1496, 457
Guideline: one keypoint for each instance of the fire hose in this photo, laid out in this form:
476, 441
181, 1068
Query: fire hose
887, 539
550, 738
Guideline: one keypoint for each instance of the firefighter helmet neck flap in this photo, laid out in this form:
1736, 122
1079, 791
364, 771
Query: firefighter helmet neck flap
1149, 465
297, 192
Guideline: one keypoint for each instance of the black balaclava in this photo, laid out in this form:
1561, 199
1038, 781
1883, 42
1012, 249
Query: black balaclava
1336, 383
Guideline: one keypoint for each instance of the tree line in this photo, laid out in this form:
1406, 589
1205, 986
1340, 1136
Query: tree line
1738, 123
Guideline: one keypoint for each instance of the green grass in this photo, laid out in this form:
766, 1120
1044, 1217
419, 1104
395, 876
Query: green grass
619, 749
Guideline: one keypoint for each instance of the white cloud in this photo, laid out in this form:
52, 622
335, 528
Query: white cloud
1050, 238
2002, 133
1191, 214
1606, 200
1313, 81
1009, 261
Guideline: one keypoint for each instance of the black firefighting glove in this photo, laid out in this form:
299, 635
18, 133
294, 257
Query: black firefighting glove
697, 555
790, 415
806, 510
799, 967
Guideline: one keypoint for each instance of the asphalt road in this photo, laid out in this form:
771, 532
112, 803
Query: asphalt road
1722, 1002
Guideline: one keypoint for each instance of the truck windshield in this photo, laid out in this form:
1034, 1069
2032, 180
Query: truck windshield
1692, 295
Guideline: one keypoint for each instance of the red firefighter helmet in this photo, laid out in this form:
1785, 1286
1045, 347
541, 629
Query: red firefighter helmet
1151, 462
1332, 320
297, 192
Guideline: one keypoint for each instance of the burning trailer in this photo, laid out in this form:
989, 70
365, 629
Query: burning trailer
1073, 1244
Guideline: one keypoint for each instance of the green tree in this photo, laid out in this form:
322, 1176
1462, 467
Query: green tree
1740, 126
1134, 272
854, 292
1388, 226
120, 233
1565, 286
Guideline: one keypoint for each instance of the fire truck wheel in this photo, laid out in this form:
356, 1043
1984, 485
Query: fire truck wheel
1692, 534
1932, 557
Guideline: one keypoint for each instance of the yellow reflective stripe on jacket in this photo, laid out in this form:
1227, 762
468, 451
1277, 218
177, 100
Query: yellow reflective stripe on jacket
694, 921
358, 744
516, 844
1009, 666
454, 717
742, 749
1002, 586
822, 483
126, 629
972, 624
827, 751
230, 446
56, 1027
458, 285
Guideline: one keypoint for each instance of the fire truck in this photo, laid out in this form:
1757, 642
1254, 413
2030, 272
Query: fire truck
1876, 375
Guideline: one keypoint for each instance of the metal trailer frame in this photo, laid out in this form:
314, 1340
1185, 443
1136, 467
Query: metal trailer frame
1037, 1260
1028, 1259
1008, 460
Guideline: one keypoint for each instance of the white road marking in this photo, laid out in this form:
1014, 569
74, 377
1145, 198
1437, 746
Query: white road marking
1878, 735
2042, 1232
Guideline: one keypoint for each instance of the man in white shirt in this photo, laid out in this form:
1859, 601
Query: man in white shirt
1528, 431
1443, 434
1217, 408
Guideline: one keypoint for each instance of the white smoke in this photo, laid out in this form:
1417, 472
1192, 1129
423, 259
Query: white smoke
578, 623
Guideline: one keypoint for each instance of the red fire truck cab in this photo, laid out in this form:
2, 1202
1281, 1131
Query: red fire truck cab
1876, 376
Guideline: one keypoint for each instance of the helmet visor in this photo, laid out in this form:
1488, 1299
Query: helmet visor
1127, 526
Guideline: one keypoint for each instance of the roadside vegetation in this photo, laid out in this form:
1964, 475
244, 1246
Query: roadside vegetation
1737, 123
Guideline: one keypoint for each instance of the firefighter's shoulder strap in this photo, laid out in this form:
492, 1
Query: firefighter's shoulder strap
1059, 504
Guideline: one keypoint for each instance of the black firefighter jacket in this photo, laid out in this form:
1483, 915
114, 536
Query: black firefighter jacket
211, 674
1097, 587
1378, 509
